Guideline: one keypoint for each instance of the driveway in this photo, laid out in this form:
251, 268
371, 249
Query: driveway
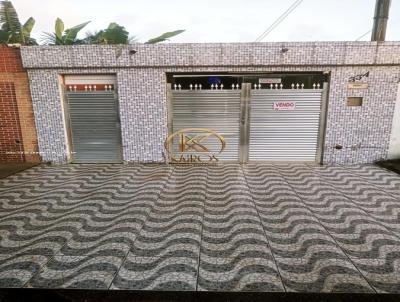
269, 227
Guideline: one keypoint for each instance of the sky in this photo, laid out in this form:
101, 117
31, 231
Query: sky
215, 20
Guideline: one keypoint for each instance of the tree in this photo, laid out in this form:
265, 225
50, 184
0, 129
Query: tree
117, 34
64, 37
11, 30
113, 34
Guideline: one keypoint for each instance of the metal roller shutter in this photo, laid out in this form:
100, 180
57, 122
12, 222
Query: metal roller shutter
94, 126
280, 135
217, 110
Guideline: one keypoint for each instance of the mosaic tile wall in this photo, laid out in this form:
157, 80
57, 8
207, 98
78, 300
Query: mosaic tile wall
142, 100
142, 105
364, 132
213, 54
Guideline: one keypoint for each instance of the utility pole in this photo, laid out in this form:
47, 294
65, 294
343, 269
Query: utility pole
380, 20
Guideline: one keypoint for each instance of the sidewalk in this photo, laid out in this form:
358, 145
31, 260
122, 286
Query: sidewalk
264, 228
9, 169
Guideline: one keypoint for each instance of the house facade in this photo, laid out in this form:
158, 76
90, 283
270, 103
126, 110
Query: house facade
323, 102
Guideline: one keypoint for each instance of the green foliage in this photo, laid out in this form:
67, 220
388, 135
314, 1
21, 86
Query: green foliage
113, 34
26, 32
64, 37
11, 30
59, 29
71, 33
27, 27
9, 17
165, 36
117, 34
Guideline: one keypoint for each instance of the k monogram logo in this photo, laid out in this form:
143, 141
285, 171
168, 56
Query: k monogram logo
195, 145
187, 143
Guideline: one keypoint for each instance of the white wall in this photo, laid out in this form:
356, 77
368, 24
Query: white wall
394, 147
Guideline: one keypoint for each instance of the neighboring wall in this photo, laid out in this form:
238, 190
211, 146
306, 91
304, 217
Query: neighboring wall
364, 132
394, 147
18, 141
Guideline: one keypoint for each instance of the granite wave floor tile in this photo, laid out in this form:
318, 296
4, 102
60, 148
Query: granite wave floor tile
321, 274
27, 242
17, 270
173, 226
157, 273
383, 179
358, 234
382, 274
232, 235
93, 186
185, 227
355, 216
235, 254
112, 242
231, 223
89, 272
183, 241
251, 273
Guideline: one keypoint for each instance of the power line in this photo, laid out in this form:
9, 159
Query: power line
391, 24
279, 20
362, 36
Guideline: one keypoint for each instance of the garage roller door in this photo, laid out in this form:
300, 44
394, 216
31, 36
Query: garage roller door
94, 126
217, 110
284, 135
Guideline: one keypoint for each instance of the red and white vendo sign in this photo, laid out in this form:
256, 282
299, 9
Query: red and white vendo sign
284, 105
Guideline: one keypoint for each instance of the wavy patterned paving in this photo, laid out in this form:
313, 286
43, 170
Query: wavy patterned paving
259, 227
358, 215
235, 254
166, 251
90, 272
